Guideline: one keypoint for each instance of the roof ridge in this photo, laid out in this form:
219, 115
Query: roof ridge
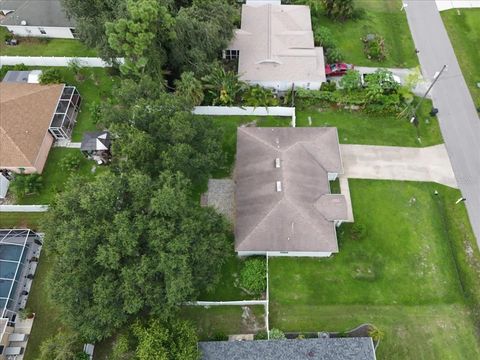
5, 133
259, 139
263, 219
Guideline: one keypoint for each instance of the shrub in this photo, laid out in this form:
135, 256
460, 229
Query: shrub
261, 335
329, 86
374, 47
351, 81
375, 333
71, 161
333, 55
323, 37
51, 76
220, 337
359, 231
276, 334
25, 184
253, 276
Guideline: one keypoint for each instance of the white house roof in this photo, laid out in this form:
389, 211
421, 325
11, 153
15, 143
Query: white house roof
276, 44
34, 13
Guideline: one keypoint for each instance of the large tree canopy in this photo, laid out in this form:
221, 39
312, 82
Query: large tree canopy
126, 244
157, 132
202, 31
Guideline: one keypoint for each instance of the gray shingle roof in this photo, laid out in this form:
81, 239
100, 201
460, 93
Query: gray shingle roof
307, 349
35, 13
300, 216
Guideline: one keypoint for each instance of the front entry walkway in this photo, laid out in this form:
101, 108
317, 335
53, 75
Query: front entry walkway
398, 163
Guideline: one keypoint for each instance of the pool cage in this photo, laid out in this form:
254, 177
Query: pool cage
19, 251
65, 116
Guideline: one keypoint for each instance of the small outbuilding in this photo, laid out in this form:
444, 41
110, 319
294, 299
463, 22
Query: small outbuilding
96, 146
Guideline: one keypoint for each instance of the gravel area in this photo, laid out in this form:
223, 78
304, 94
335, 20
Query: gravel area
220, 196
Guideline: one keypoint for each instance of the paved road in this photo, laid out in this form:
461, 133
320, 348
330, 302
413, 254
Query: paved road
398, 163
458, 118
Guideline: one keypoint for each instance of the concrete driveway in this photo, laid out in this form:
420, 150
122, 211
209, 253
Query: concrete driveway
398, 163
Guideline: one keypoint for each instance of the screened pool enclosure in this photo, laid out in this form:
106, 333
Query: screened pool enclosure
66, 112
19, 250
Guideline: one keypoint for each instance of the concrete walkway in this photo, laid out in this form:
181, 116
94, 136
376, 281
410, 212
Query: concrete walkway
398, 163
23, 208
457, 115
67, 144
345, 191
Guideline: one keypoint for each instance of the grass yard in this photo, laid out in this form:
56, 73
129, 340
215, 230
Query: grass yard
47, 319
54, 177
464, 33
414, 275
228, 287
380, 17
220, 321
44, 47
356, 127
20, 220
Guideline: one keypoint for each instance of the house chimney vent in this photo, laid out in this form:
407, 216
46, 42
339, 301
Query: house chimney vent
279, 186
277, 163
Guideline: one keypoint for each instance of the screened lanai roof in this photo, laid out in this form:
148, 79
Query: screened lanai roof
14, 246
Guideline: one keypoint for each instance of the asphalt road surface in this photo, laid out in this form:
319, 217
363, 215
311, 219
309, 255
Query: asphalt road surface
457, 115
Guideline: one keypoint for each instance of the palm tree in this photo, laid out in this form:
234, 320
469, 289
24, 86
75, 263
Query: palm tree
225, 86
259, 96
189, 88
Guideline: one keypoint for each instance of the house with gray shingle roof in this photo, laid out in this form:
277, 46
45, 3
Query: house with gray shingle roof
360, 348
282, 192
38, 18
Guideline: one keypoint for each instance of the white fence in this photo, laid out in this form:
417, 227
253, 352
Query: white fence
227, 303
23, 208
457, 4
245, 111
54, 61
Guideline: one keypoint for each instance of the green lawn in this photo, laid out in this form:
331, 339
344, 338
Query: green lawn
414, 275
54, 177
228, 286
357, 127
44, 47
225, 320
380, 17
20, 220
464, 33
47, 319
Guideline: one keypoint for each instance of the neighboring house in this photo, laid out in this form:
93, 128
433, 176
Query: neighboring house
32, 116
282, 193
96, 146
19, 251
275, 47
39, 18
304, 349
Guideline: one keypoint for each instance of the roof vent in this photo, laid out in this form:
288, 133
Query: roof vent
279, 186
277, 163
23, 22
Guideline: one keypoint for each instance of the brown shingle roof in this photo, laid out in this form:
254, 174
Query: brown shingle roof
25, 114
300, 216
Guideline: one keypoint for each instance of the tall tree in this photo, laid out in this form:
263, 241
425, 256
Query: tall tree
138, 37
160, 133
90, 17
174, 341
127, 244
202, 31
339, 9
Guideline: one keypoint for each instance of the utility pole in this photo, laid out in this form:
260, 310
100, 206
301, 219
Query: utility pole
414, 119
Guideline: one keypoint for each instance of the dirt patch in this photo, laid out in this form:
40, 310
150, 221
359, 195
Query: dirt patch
249, 321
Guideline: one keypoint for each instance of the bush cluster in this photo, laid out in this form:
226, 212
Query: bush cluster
374, 47
253, 276
324, 38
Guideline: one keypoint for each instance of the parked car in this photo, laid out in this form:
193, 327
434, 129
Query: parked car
337, 69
